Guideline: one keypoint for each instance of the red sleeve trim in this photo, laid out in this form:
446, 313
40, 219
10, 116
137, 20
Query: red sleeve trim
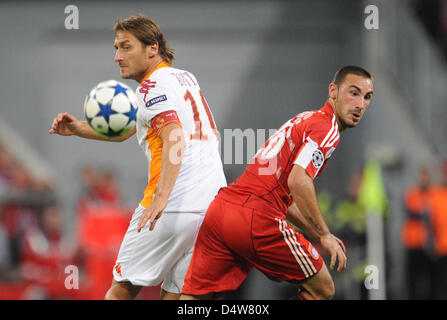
163, 119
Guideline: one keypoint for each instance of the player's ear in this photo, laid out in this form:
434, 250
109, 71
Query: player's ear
332, 90
152, 49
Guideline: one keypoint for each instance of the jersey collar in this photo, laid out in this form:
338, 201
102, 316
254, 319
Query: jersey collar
163, 64
327, 109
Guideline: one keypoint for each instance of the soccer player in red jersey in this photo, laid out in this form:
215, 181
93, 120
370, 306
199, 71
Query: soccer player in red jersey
246, 224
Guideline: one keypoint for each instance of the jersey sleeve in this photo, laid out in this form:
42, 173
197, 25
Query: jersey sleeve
163, 119
155, 97
320, 139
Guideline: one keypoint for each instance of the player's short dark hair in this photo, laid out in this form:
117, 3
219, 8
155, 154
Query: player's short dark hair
148, 32
341, 74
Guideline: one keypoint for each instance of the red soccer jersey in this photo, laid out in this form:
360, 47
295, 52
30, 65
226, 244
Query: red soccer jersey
308, 140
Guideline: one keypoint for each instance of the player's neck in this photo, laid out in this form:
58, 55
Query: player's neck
152, 65
341, 126
331, 102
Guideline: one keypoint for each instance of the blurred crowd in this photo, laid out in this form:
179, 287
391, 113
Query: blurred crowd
424, 235
433, 15
38, 258
346, 217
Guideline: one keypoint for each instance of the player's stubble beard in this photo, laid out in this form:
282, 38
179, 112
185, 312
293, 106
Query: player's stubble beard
343, 124
131, 76
133, 70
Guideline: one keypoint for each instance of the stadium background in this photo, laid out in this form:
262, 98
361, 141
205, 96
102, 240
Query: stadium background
259, 63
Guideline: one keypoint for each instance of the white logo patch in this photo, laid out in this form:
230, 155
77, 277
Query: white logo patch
317, 158
314, 253
329, 153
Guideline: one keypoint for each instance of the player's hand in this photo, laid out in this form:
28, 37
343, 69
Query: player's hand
64, 124
336, 249
151, 214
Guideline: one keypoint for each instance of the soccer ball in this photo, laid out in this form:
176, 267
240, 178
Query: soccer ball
111, 108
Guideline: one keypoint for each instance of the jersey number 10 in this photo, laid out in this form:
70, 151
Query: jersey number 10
198, 133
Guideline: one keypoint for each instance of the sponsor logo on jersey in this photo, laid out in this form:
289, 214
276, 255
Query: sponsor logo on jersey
146, 86
317, 158
155, 100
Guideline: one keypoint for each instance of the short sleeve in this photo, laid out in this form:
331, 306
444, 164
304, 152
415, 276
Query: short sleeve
163, 119
154, 98
320, 140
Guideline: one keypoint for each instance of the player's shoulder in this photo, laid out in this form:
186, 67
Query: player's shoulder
319, 119
160, 79
170, 76
161, 75
170, 73
318, 115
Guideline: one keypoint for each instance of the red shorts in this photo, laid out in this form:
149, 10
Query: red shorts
234, 238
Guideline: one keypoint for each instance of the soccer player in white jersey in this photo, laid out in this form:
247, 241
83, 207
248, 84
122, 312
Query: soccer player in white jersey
176, 131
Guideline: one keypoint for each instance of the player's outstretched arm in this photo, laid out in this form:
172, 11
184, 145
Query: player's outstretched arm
171, 162
303, 192
66, 124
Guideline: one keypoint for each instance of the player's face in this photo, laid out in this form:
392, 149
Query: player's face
131, 56
351, 99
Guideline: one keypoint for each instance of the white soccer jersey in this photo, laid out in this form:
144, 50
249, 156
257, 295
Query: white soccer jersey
201, 176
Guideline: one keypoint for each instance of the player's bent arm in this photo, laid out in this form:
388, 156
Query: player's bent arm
171, 161
88, 133
295, 216
303, 192
302, 189
66, 124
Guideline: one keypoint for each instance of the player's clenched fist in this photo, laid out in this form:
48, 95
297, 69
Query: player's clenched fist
336, 249
64, 124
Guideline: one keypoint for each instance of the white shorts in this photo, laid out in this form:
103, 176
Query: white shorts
147, 258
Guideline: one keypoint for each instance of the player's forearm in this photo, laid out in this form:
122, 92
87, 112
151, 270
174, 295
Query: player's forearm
85, 131
172, 153
306, 200
303, 193
295, 216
